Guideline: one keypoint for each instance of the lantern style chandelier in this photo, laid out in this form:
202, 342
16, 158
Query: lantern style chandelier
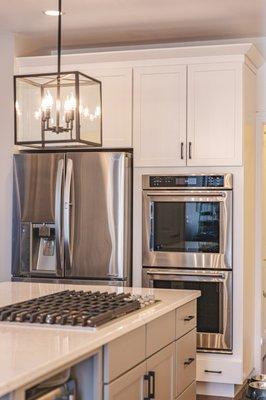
58, 109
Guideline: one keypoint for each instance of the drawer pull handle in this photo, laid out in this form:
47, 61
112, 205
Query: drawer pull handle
189, 361
182, 151
150, 377
189, 318
209, 371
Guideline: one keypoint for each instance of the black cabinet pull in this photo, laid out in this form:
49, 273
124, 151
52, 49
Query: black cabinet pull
150, 377
147, 378
189, 318
189, 150
209, 371
189, 361
182, 150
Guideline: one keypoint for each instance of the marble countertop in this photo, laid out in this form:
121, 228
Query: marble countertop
28, 352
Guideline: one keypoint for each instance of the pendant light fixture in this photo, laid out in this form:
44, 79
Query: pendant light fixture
58, 109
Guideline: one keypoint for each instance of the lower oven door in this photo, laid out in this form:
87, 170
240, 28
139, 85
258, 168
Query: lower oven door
214, 307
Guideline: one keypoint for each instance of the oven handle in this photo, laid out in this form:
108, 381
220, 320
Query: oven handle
186, 193
179, 273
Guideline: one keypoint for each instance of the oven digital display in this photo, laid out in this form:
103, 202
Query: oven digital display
192, 181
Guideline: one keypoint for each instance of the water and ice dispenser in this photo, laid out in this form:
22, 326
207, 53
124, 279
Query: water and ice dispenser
38, 249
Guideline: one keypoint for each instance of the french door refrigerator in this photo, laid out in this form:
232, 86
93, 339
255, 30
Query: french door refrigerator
72, 217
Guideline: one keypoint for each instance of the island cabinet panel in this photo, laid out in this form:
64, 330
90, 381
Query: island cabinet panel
124, 353
214, 124
185, 361
161, 369
159, 121
159, 333
129, 386
186, 318
189, 393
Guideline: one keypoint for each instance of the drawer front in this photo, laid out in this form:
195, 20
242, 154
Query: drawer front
189, 393
159, 333
185, 361
124, 353
186, 318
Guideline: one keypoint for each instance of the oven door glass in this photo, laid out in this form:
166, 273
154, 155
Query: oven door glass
192, 227
209, 305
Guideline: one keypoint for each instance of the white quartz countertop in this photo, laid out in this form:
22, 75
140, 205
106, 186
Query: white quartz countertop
30, 351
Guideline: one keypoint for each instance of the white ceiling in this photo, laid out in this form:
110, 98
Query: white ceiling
113, 22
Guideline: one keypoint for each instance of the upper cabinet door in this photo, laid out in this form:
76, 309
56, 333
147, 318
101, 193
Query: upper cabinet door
214, 135
159, 116
116, 104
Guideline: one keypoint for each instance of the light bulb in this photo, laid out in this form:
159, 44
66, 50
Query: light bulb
70, 103
37, 114
97, 111
47, 102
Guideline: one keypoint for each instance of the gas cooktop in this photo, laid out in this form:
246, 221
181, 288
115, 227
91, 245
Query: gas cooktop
70, 307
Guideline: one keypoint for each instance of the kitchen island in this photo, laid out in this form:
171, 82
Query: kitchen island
150, 349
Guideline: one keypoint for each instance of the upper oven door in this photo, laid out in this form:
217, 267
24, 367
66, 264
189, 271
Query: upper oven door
187, 229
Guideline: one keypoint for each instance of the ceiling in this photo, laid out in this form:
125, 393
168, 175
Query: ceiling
89, 23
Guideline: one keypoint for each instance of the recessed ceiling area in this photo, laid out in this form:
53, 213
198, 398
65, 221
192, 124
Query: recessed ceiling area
94, 23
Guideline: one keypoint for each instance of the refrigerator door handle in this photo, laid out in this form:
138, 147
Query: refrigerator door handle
58, 216
67, 215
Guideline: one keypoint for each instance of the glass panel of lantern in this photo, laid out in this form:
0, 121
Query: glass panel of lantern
52, 109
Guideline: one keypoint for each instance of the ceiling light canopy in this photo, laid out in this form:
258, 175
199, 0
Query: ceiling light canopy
58, 109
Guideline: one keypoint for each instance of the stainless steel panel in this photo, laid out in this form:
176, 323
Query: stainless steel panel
228, 181
97, 217
34, 192
206, 342
221, 260
71, 281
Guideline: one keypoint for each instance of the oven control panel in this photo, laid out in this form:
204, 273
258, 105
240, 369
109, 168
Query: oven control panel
190, 181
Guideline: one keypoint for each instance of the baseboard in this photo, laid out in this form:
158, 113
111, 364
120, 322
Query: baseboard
239, 396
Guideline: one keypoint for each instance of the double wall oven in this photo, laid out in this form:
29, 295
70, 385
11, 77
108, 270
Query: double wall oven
187, 244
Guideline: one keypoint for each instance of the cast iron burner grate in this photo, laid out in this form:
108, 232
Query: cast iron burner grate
72, 307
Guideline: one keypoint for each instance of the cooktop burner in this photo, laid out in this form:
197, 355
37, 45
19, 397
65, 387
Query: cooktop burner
72, 307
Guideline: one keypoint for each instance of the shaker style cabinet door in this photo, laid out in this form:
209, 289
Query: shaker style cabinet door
161, 369
116, 104
129, 386
159, 116
214, 135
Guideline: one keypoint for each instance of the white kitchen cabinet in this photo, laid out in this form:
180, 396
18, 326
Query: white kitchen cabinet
159, 122
116, 105
214, 114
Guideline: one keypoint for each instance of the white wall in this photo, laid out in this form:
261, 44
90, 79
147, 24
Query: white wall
6, 149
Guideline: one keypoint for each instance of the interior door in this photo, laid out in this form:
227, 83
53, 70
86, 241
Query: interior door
94, 215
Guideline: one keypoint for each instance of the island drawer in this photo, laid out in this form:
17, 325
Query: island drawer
124, 353
159, 333
186, 318
185, 361
189, 393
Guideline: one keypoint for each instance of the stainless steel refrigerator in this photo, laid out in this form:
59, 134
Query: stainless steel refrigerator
72, 217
